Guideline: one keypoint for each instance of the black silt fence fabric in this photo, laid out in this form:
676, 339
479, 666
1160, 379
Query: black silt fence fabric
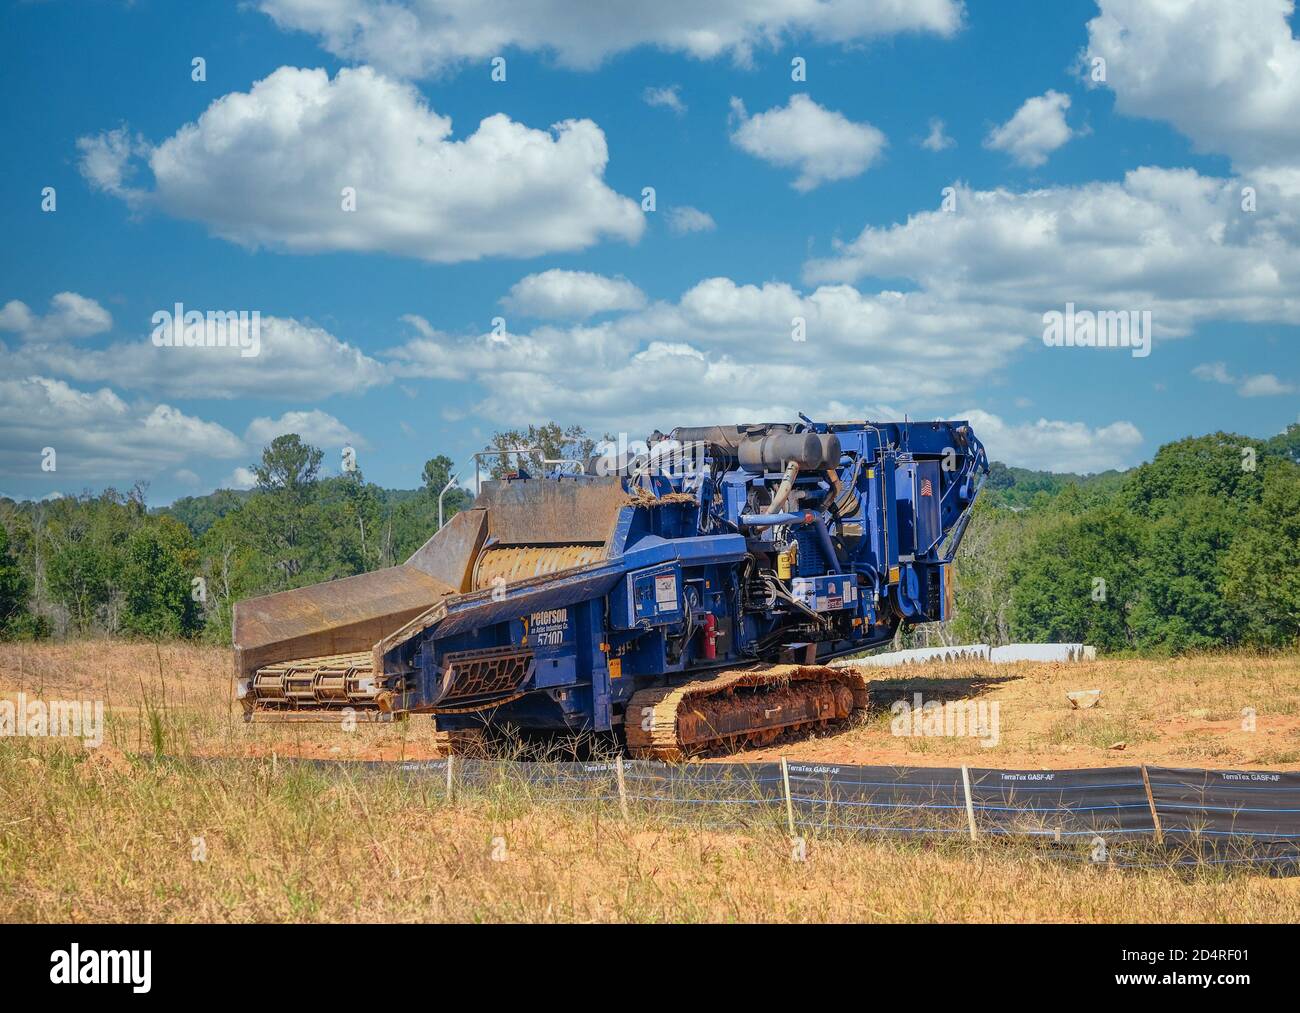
1254, 804
1217, 816
1062, 804
916, 800
1230, 817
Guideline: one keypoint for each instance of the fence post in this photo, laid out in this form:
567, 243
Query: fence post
970, 806
622, 788
1151, 801
789, 803
451, 761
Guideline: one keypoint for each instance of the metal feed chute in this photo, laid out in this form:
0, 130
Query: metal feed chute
686, 598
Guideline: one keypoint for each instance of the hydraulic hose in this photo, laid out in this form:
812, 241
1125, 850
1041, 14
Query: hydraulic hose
783, 490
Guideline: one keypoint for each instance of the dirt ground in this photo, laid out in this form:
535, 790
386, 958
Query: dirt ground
1219, 711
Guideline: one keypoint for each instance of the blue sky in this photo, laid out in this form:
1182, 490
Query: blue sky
775, 199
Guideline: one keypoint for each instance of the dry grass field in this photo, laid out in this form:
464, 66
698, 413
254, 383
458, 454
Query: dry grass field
99, 835
1224, 711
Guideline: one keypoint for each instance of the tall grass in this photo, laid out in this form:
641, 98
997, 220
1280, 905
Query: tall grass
118, 833
97, 836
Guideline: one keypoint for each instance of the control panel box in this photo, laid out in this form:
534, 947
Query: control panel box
650, 598
827, 593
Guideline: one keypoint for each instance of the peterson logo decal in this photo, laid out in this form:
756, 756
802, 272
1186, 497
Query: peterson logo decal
548, 628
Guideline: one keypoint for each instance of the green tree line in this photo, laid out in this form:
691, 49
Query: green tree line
105, 564
1198, 548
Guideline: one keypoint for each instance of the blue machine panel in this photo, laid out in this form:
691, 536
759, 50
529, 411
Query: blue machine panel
919, 523
810, 560
651, 598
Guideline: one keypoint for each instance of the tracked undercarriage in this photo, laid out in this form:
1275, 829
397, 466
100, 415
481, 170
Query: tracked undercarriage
738, 708
728, 710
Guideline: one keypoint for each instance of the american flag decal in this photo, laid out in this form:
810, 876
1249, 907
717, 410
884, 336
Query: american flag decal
926, 488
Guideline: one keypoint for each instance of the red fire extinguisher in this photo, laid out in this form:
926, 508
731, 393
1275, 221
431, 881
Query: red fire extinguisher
710, 637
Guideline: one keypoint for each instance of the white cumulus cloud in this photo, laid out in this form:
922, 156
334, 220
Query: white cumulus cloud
1168, 240
315, 427
432, 355
97, 436
423, 37
295, 360
1036, 130
686, 219
821, 144
1226, 75
1264, 385
725, 352
70, 316
668, 97
936, 139
108, 160
1250, 385
1054, 445
571, 294
240, 478
269, 168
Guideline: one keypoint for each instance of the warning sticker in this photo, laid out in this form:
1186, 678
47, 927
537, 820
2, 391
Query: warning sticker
666, 593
